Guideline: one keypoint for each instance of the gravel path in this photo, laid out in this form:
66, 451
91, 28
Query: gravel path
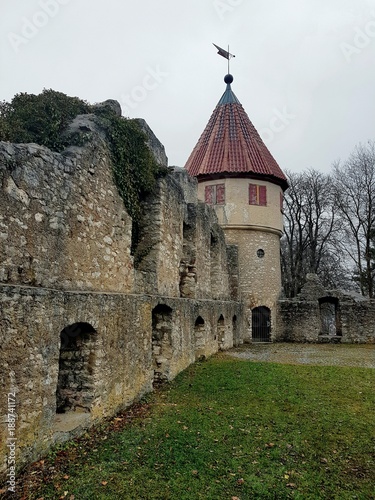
309, 354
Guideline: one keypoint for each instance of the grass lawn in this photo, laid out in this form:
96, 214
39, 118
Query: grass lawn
226, 429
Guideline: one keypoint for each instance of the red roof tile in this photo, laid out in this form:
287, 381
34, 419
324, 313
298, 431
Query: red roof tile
231, 145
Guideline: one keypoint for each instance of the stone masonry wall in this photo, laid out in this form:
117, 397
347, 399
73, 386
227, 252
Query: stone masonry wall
122, 356
62, 222
89, 322
260, 277
159, 247
303, 319
181, 249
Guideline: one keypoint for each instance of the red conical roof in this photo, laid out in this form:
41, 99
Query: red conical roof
231, 145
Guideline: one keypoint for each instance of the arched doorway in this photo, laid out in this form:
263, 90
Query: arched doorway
261, 324
75, 388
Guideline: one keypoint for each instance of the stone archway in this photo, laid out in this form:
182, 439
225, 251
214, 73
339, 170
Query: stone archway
75, 388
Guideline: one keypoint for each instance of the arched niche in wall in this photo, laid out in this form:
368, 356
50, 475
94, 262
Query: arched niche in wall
162, 323
234, 330
188, 271
75, 388
199, 337
221, 332
215, 267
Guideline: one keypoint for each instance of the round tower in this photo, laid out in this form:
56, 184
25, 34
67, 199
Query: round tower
238, 176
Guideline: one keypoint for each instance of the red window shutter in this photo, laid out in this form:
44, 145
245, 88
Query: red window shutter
220, 194
263, 196
209, 194
253, 194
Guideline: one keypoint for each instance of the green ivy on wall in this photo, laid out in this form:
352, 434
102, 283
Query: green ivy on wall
44, 118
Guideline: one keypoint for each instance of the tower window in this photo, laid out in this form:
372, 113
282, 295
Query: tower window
257, 195
215, 194
260, 253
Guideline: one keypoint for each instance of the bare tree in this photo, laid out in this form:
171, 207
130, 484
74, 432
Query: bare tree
309, 228
354, 182
294, 242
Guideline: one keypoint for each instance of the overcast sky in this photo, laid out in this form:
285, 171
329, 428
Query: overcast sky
304, 69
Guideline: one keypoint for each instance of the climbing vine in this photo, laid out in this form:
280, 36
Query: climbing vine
134, 166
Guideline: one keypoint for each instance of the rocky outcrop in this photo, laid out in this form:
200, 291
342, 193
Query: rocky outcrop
153, 143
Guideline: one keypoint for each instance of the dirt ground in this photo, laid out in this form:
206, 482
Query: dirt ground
360, 355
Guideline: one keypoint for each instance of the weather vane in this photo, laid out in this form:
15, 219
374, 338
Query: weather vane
225, 54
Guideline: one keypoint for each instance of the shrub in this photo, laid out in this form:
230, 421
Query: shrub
43, 119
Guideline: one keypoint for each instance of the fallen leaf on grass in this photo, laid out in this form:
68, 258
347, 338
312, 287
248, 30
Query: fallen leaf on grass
104, 483
291, 485
240, 481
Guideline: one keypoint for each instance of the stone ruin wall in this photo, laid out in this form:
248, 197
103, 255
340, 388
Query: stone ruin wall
62, 223
87, 323
319, 315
